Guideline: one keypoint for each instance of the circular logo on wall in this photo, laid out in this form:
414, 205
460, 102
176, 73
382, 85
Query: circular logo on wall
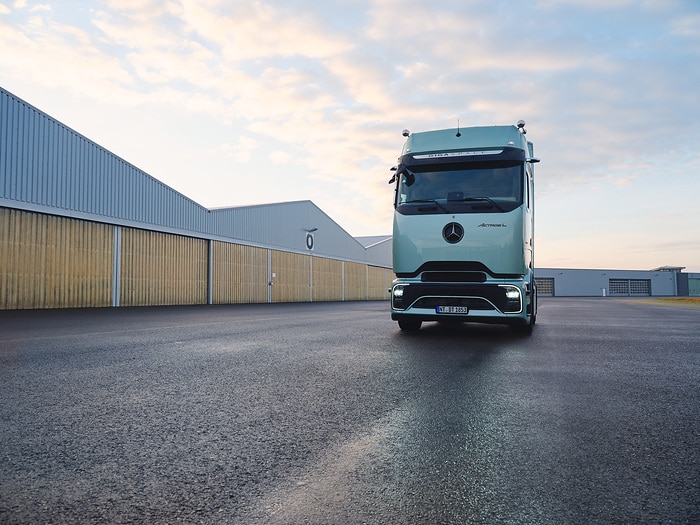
453, 232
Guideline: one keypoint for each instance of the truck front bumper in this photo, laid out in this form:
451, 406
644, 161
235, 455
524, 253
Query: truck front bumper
490, 302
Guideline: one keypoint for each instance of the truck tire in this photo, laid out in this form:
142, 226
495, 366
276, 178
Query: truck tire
409, 326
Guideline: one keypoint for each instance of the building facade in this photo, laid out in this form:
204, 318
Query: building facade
662, 282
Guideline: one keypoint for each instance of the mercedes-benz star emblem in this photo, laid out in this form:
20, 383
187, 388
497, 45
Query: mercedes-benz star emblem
453, 232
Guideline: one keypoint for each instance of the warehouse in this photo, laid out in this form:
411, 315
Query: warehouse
81, 227
666, 281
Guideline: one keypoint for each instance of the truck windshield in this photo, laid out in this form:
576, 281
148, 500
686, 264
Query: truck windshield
474, 187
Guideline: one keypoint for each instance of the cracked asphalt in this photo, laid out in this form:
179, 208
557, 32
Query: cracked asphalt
325, 413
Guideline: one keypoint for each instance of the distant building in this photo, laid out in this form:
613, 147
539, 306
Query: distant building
666, 281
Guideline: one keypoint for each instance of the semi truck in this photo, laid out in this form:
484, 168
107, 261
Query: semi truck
463, 228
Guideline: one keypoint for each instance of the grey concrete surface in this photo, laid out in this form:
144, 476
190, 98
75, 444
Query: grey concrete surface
327, 413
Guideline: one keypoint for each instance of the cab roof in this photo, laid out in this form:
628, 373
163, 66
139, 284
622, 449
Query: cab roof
465, 139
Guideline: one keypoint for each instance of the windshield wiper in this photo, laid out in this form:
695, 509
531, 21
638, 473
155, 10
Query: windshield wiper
432, 201
487, 199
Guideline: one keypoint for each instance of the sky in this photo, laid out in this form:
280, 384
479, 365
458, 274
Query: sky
249, 102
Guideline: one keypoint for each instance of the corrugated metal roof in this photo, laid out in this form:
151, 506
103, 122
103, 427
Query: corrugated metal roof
45, 163
286, 225
372, 240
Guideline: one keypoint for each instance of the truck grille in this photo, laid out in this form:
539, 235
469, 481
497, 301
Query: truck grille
453, 277
473, 303
456, 267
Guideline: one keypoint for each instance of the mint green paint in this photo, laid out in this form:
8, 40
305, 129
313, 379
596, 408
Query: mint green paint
491, 137
418, 238
503, 242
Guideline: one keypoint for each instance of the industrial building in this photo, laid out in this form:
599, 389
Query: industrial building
82, 227
667, 281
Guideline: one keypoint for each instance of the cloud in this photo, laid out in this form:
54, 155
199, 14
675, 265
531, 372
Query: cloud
281, 157
62, 56
41, 7
588, 5
255, 30
242, 150
687, 26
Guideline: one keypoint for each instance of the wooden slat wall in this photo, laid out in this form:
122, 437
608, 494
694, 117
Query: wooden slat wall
327, 278
355, 281
379, 281
162, 269
292, 280
54, 262
239, 274
59, 262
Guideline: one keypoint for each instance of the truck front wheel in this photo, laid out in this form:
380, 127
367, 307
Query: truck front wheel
409, 325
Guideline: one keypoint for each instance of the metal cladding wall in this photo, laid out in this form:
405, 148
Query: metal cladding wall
379, 249
582, 283
694, 285
45, 164
286, 227
54, 262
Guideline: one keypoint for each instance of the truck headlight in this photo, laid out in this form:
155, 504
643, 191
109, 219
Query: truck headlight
397, 297
514, 303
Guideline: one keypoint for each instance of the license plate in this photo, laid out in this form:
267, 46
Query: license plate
452, 309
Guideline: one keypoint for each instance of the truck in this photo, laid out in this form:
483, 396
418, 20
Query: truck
463, 228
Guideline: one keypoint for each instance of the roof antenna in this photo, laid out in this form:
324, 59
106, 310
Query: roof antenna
458, 133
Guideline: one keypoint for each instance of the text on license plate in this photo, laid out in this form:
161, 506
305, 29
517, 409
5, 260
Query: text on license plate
452, 309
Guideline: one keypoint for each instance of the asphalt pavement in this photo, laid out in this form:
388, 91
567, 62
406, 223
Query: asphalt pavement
326, 413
